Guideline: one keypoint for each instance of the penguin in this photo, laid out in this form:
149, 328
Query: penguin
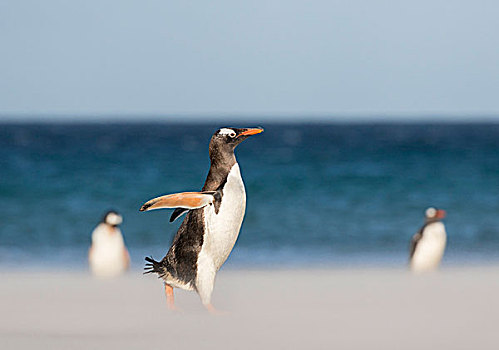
210, 229
428, 244
108, 255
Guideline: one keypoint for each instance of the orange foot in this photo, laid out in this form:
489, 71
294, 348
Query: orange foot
170, 301
211, 309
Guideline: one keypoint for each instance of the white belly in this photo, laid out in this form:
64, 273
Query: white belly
108, 261
107, 256
430, 248
222, 228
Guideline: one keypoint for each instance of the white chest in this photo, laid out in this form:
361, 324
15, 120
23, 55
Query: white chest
222, 228
107, 256
430, 248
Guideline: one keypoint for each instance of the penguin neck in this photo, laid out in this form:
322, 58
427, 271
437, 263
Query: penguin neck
111, 229
431, 221
427, 223
221, 164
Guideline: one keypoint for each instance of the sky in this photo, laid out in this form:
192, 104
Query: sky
272, 58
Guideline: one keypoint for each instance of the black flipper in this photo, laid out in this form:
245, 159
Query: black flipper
154, 266
414, 242
178, 212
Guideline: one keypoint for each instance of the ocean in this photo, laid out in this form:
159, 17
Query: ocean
317, 194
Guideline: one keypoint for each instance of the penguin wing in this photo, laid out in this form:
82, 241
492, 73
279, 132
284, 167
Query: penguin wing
178, 213
185, 200
414, 242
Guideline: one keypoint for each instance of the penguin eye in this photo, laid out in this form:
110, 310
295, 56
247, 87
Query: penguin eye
431, 212
227, 132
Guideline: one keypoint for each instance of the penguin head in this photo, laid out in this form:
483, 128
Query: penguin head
112, 218
434, 214
225, 140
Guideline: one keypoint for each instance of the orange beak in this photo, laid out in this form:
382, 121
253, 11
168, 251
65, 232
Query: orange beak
251, 131
441, 214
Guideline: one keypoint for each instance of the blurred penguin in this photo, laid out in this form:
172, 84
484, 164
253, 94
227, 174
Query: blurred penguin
108, 255
428, 245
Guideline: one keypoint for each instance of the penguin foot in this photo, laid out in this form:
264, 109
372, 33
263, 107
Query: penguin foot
212, 310
170, 301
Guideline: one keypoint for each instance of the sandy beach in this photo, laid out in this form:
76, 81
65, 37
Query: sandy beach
456, 308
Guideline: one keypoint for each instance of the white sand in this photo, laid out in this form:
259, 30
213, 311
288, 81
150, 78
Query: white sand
278, 309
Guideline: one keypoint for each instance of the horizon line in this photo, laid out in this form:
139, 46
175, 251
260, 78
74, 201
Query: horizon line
423, 117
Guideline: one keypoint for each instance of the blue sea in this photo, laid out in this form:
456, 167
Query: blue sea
318, 194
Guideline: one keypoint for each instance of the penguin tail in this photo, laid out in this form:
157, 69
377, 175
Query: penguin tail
153, 266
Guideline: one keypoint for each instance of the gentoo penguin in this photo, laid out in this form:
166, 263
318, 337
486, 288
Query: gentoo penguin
210, 229
108, 255
428, 244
